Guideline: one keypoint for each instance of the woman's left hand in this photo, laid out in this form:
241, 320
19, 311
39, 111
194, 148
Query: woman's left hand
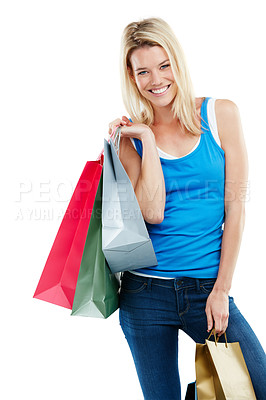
217, 310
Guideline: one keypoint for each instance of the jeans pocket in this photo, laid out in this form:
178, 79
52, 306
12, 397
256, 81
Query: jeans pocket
131, 285
207, 286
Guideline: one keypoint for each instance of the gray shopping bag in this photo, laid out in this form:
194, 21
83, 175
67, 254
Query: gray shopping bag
125, 240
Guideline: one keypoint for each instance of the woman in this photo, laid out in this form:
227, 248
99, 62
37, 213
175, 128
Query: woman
187, 161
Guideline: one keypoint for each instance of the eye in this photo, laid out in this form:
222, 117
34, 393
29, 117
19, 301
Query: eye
165, 65
141, 72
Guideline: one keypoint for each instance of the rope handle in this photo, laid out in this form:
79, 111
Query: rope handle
216, 339
116, 139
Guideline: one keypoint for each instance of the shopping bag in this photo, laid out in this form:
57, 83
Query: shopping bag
97, 289
125, 240
100, 157
59, 277
221, 371
191, 393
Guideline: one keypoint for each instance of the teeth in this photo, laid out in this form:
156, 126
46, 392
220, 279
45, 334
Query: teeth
160, 90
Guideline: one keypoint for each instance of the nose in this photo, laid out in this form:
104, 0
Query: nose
155, 78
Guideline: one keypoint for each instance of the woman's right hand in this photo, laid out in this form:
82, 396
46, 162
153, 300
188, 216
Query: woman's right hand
128, 128
118, 122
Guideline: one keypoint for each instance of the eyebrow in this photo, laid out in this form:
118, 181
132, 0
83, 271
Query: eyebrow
147, 68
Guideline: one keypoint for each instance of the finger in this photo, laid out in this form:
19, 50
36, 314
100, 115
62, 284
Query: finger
116, 122
127, 121
218, 325
120, 123
115, 126
225, 325
124, 118
209, 319
222, 331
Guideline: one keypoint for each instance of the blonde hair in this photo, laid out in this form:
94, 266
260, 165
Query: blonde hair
156, 32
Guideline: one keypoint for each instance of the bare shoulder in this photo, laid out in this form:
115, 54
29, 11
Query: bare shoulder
225, 107
228, 121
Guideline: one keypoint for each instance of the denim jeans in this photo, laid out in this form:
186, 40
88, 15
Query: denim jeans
152, 311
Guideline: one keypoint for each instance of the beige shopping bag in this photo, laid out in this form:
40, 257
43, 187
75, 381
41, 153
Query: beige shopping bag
221, 371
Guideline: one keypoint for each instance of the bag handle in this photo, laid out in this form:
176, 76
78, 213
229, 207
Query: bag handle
216, 339
117, 137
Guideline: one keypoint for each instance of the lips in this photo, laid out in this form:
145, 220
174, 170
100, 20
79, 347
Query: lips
159, 88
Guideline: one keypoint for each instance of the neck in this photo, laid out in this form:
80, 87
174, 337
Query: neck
163, 116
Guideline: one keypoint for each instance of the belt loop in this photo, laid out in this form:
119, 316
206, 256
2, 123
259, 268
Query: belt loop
149, 282
198, 285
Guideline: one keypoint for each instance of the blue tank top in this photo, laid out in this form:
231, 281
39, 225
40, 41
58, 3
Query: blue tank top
188, 241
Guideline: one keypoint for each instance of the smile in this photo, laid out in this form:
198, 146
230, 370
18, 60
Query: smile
160, 92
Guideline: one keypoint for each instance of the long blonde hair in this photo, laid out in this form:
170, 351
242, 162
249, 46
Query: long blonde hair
156, 32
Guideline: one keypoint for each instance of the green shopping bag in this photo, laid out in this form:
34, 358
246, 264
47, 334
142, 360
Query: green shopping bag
97, 289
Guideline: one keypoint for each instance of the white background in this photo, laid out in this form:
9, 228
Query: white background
60, 88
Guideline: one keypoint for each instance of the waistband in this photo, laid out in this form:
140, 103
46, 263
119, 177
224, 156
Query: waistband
175, 282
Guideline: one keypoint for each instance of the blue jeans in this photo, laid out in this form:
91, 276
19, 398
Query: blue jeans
151, 313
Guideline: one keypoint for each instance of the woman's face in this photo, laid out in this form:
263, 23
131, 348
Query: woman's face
152, 70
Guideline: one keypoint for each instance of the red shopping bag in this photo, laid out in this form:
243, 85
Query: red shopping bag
58, 281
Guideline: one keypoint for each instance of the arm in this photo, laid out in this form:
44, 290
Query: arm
150, 188
236, 178
146, 174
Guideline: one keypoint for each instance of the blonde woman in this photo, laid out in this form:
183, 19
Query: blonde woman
187, 161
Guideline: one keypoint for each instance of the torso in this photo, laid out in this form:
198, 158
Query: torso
174, 141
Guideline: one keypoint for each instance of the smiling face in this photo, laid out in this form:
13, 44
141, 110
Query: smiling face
152, 71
